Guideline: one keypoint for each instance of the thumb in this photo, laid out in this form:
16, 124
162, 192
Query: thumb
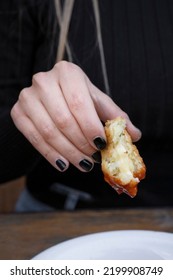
108, 110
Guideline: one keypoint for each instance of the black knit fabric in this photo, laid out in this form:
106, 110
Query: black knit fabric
28, 43
138, 43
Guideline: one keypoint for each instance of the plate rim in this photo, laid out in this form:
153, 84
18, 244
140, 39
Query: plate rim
104, 233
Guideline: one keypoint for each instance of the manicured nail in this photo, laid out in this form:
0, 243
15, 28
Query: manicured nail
97, 157
86, 164
100, 143
61, 164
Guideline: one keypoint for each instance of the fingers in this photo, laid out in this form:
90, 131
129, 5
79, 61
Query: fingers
25, 125
55, 151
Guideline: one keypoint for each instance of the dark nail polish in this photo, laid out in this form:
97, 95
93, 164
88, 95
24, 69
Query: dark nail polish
97, 156
61, 164
86, 164
100, 143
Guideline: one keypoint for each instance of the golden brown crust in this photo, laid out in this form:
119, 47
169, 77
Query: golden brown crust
122, 166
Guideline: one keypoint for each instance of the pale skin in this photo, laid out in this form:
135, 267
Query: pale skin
61, 114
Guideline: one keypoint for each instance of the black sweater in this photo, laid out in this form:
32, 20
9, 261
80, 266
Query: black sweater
28, 41
138, 44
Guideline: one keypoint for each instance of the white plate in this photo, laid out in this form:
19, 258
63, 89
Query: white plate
113, 245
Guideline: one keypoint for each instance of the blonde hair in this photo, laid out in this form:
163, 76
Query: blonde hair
64, 18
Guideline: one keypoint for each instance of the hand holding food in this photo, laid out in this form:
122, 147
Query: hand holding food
53, 115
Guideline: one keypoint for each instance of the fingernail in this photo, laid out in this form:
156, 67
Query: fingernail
86, 164
97, 156
100, 143
61, 164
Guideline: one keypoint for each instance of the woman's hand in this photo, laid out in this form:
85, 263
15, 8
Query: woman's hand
61, 113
